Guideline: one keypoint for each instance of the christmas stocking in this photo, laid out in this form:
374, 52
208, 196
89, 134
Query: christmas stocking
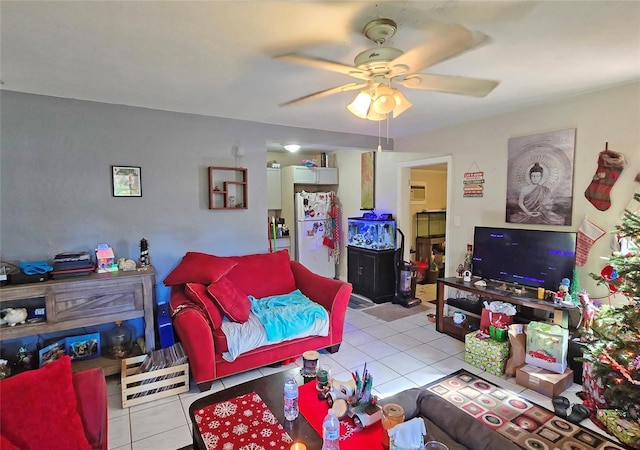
588, 233
610, 165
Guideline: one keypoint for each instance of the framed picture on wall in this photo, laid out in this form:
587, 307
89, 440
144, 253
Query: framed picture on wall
367, 180
125, 181
540, 178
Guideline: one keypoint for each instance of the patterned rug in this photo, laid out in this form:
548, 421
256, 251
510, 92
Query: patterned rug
527, 424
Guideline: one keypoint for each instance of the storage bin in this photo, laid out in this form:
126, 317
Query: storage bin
144, 387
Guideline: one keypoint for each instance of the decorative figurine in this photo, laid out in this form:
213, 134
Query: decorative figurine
588, 311
563, 291
145, 259
15, 315
468, 257
23, 360
105, 259
353, 399
5, 370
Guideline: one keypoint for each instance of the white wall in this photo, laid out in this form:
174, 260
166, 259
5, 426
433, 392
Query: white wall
610, 115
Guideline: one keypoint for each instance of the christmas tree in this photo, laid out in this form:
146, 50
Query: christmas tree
614, 352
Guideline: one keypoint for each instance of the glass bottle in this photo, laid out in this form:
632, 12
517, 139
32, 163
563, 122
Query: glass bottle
119, 341
392, 415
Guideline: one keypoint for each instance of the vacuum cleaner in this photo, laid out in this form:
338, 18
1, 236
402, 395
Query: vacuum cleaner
405, 278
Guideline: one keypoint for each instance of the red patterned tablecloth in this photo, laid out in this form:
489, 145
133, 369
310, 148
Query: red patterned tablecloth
314, 410
243, 423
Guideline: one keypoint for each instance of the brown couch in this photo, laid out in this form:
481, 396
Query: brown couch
448, 424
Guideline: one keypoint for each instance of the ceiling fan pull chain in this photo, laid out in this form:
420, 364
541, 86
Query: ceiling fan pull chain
387, 129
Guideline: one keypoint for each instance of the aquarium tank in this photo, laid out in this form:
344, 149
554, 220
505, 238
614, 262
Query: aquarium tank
373, 233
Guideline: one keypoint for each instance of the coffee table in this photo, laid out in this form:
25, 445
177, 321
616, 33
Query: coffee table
270, 389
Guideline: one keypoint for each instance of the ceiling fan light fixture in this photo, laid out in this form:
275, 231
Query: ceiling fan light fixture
292, 147
402, 104
376, 117
384, 101
361, 105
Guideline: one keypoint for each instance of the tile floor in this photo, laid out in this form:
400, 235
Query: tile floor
401, 354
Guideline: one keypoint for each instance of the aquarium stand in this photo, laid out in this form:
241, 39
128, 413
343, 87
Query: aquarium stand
372, 273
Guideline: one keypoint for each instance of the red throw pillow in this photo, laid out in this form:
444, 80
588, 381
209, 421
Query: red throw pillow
232, 301
199, 268
264, 274
6, 444
199, 295
40, 406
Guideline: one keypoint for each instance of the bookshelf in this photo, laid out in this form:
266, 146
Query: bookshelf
227, 187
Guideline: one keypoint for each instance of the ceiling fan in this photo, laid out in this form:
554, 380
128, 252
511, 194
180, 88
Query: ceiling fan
381, 67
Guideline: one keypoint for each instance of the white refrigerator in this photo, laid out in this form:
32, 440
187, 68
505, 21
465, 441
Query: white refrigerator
311, 209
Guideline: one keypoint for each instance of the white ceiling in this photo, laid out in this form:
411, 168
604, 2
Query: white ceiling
215, 58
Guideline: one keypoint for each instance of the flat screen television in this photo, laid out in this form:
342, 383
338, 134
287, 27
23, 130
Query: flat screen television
532, 258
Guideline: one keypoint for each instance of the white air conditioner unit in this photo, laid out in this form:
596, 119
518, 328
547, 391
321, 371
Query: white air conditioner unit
418, 192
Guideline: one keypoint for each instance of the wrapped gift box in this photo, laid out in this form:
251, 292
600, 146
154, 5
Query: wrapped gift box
593, 387
485, 353
626, 430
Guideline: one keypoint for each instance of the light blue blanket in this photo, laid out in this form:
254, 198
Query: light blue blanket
286, 315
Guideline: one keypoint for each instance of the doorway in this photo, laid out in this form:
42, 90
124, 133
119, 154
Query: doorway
407, 207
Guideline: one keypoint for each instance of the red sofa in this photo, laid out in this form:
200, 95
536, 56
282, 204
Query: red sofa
206, 287
54, 408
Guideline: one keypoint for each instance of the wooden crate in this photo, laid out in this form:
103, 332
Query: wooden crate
144, 387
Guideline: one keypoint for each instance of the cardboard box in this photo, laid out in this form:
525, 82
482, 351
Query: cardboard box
544, 381
485, 353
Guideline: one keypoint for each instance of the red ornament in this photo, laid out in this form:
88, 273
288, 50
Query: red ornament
609, 273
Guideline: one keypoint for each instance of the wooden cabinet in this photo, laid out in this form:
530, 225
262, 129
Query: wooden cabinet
274, 189
326, 175
312, 175
83, 302
372, 273
227, 188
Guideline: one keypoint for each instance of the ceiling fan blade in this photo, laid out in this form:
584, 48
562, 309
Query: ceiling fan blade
325, 93
453, 40
476, 87
324, 64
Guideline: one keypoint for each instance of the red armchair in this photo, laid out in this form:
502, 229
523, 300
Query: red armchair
260, 275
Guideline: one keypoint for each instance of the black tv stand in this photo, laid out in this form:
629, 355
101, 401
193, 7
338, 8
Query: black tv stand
493, 291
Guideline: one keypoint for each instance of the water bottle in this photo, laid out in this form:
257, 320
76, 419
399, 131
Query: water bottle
290, 399
331, 431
